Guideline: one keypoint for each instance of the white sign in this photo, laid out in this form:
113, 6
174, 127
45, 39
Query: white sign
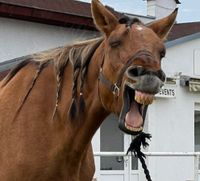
167, 91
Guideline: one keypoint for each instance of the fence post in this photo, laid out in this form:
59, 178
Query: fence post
196, 168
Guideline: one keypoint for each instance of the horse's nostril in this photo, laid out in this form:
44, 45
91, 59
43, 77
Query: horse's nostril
161, 75
135, 71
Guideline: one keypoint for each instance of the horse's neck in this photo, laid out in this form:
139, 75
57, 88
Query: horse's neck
94, 112
86, 125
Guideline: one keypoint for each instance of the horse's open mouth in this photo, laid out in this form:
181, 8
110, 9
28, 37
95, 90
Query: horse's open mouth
134, 108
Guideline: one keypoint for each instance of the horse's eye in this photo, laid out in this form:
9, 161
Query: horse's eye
162, 53
114, 44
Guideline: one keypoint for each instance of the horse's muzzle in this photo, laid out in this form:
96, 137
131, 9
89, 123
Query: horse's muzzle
142, 80
140, 86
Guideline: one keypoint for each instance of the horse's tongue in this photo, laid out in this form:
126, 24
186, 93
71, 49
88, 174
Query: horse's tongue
133, 117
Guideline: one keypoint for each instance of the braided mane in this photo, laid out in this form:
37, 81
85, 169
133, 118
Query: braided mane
79, 55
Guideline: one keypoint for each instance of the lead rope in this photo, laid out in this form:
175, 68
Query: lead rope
135, 147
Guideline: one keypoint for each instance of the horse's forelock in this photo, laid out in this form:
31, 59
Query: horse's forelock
129, 21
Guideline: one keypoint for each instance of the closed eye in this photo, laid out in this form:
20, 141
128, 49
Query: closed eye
114, 43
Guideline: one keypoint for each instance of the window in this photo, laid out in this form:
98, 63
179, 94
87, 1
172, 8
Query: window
197, 130
197, 62
134, 163
111, 140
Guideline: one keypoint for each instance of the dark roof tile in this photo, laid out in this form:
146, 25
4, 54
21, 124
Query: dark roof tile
184, 29
61, 6
60, 12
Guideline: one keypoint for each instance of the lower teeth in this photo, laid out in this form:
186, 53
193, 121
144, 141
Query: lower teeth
134, 129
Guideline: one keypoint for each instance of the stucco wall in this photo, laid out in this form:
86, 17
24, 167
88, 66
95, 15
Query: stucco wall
171, 120
19, 38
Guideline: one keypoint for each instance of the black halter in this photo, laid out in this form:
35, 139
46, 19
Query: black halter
115, 87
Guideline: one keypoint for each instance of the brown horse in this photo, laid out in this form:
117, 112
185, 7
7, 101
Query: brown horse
52, 104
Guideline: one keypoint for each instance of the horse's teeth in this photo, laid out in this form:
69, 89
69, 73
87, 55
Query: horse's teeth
138, 99
144, 99
133, 129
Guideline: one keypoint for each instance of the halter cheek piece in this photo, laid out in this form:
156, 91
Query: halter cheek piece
114, 88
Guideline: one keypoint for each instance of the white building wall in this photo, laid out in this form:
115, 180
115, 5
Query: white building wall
171, 120
20, 38
180, 58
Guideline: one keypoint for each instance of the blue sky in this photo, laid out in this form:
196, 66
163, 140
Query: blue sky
189, 10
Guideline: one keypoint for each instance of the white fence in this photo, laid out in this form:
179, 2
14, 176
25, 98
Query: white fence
196, 156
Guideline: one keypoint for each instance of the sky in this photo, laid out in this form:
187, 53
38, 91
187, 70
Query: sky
189, 10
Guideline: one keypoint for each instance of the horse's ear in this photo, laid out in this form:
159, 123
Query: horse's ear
163, 26
104, 20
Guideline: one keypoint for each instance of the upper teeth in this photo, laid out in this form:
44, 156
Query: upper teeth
133, 129
144, 98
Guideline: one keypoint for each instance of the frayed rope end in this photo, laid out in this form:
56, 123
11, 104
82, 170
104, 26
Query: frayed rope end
140, 140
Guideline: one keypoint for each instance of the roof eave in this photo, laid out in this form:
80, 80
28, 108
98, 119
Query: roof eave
46, 16
182, 40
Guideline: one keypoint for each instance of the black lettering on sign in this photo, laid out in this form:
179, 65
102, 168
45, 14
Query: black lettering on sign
167, 92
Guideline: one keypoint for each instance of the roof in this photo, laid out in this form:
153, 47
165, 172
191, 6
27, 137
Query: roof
182, 40
183, 29
61, 6
59, 12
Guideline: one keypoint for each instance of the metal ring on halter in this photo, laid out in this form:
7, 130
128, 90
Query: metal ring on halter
116, 90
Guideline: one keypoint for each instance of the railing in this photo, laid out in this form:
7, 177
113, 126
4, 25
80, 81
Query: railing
196, 156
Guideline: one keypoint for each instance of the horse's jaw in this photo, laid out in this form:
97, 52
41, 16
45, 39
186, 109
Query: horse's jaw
132, 116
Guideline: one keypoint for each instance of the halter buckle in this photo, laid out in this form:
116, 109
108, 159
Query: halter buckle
115, 90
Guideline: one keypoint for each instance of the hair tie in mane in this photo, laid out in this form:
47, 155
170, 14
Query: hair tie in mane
80, 56
76, 70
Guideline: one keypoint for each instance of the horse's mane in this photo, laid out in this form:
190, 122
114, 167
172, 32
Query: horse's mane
78, 54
